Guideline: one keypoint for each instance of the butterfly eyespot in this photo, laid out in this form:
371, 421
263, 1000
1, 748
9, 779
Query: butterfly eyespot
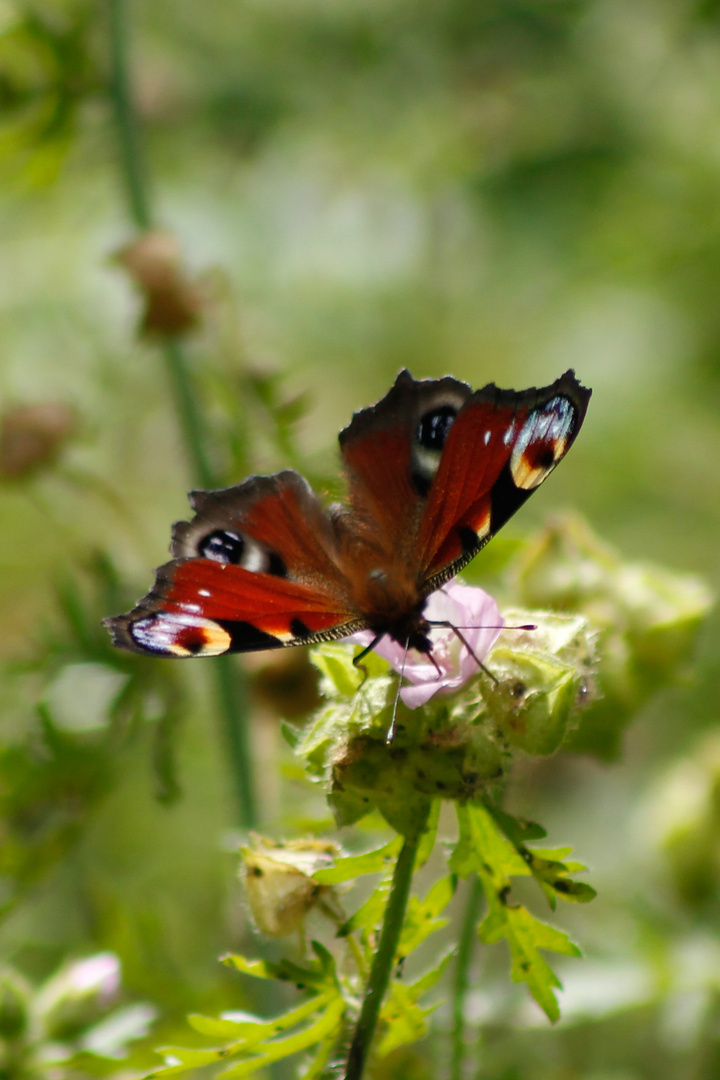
222, 546
276, 565
434, 427
541, 442
169, 634
430, 438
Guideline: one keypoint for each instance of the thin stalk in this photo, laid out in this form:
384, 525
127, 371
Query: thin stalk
229, 683
230, 689
189, 415
468, 934
133, 167
384, 957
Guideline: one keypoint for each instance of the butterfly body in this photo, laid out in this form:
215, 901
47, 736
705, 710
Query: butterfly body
433, 471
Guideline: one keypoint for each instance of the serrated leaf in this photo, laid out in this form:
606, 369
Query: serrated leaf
547, 865
406, 1021
326, 1027
433, 976
526, 935
482, 848
250, 1036
284, 971
353, 866
421, 917
219, 1028
369, 915
518, 830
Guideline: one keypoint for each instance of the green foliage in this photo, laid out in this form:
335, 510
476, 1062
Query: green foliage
92, 704
454, 748
74, 1023
483, 850
495, 189
647, 617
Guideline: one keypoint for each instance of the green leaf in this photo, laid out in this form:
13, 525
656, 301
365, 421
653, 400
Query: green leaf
284, 971
526, 935
547, 865
482, 848
326, 1028
250, 1035
406, 1021
421, 917
353, 866
369, 915
221, 1028
433, 976
335, 662
337, 668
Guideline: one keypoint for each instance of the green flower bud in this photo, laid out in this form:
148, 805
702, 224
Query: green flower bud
544, 676
682, 815
647, 618
455, 747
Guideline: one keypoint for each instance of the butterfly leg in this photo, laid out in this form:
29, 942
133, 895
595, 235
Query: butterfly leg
358, 660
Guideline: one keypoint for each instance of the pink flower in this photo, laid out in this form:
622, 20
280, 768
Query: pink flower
476, 616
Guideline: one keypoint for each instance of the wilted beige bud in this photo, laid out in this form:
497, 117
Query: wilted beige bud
173, 303
279, 883
31, 437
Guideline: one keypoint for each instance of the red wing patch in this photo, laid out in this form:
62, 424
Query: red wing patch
202, 607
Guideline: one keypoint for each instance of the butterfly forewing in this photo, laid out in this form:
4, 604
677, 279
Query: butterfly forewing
501, 447
388, 466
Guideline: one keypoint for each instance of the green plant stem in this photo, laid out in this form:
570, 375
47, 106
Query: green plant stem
229, 682
384, 957
133, 169
230, 687
468, 934
189, 415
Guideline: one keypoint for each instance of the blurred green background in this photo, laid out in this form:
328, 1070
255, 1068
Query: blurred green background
497, 190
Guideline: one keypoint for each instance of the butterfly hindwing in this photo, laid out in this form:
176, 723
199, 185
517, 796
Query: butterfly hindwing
200, 607
254, 571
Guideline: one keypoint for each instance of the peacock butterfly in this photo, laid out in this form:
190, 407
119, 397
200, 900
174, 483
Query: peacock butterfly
433, 470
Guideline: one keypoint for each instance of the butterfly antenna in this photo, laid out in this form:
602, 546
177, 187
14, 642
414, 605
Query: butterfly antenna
458, 634
392, 730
